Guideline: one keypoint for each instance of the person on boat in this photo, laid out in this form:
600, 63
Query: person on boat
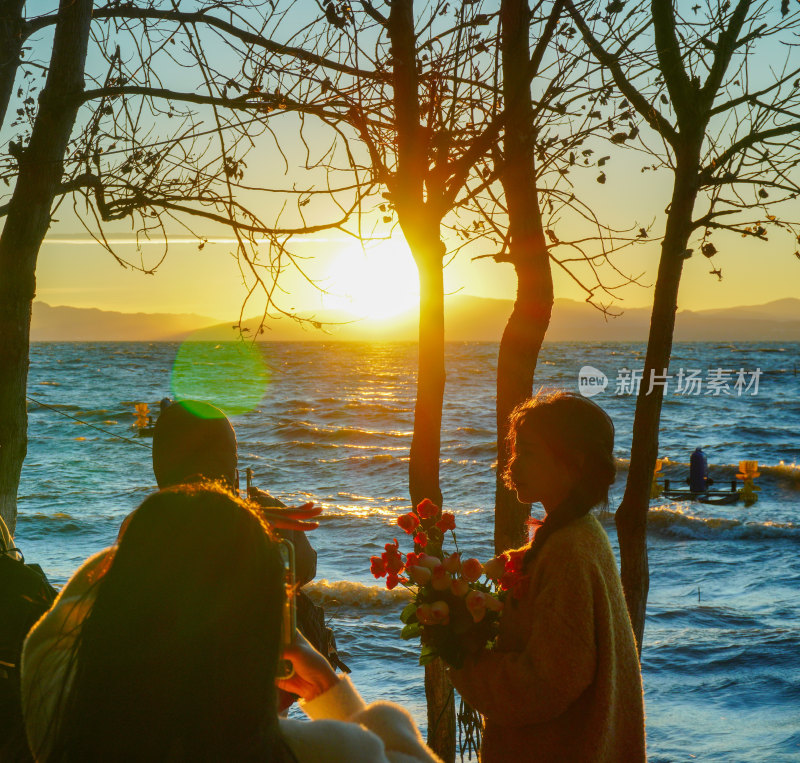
194, 440
166, 647
698, 472
563, 682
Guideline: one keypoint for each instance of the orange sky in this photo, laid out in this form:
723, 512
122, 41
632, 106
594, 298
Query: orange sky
82, 274
75, 271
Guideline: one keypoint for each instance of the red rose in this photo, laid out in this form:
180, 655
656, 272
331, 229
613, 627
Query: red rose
507, 580
447, 522
394, 564
408, 522
392, 558
377, 566
392, 580
514, 561
427, 509
412, 559
421, 539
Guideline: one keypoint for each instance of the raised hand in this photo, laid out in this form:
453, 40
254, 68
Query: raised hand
285, 517
312, 675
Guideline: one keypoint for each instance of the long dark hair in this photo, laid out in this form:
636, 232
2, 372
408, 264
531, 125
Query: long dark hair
579, 432
177, 659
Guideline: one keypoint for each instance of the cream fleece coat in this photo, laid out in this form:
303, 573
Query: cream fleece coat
563, 683
342, 730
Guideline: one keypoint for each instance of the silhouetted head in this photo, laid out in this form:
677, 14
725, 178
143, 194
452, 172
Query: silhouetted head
561, 446
191, 441
178, 657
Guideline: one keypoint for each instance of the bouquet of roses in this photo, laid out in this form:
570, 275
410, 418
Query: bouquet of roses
457, 603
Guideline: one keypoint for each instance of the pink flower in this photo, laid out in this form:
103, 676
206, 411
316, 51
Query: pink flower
447, 522
459, 587
420, 575
424, 614
431, 562
440, 611
471, 570
494, 568
452, 563
427, 509
408, 522
441, 578
476, 604
492, 604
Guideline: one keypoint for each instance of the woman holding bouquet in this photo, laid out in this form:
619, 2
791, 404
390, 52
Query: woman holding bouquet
563, 683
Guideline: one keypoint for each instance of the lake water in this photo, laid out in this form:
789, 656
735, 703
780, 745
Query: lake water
332, 423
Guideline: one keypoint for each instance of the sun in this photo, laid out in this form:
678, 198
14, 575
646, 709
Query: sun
379, 282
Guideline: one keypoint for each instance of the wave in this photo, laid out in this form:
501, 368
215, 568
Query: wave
37, 524
338, 434
680, 524
377, 458
356, 595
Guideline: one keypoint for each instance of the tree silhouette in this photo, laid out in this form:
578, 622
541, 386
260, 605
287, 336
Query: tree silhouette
727, 130
131, 148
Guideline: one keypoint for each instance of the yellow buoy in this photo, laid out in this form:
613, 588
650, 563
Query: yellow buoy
142, 415
655, 489
748, 471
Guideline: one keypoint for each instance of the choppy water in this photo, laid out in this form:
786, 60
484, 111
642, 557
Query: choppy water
722, 641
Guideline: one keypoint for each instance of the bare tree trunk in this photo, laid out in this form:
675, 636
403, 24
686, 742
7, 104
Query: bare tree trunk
421, 229
423, 467
527, 325
516, 365
41, 168
11, 38
631, 517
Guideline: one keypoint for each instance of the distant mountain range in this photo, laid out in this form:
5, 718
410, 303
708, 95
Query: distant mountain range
467, 318
80, 324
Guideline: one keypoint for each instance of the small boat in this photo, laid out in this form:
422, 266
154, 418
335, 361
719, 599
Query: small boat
699, 485
714, 497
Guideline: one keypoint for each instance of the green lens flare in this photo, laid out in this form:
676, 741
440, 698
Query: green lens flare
230, 375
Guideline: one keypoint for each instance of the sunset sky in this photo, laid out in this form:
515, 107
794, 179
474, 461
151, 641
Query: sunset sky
377, 282
380, 280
